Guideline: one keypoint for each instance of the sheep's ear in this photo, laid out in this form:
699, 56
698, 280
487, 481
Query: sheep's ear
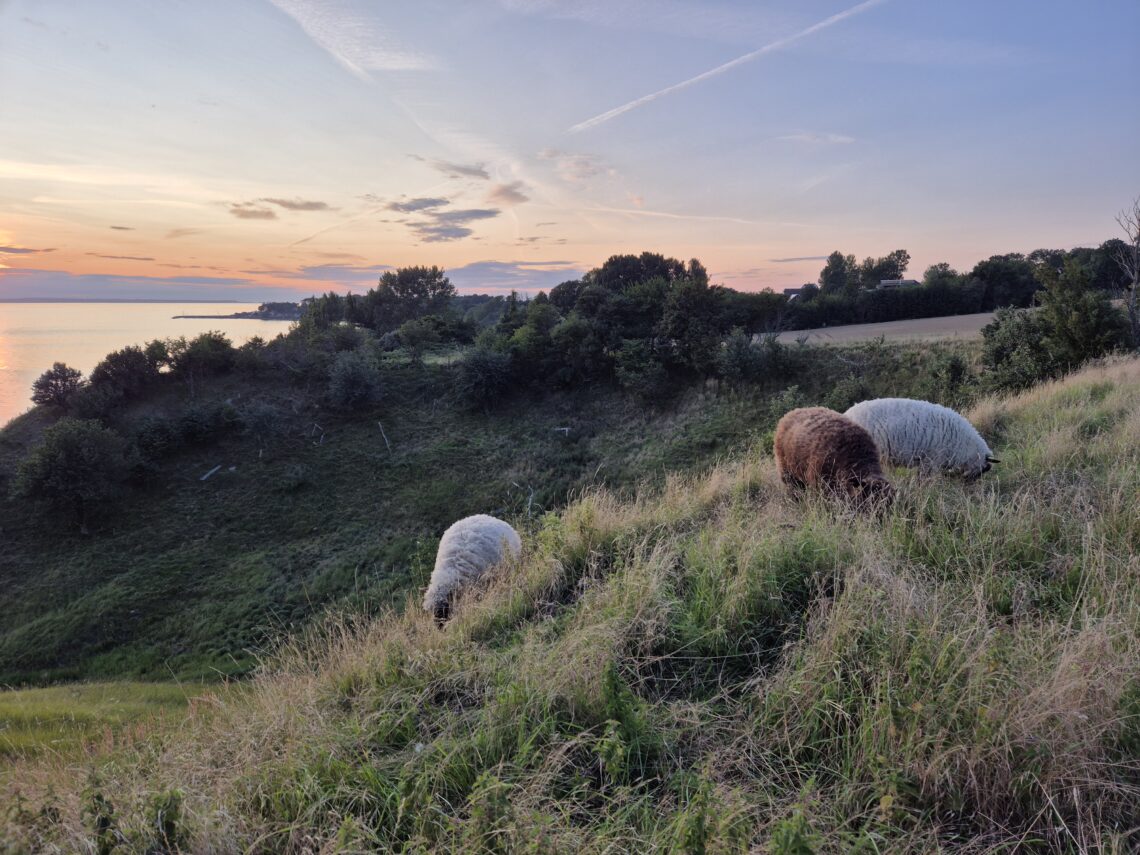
990, 459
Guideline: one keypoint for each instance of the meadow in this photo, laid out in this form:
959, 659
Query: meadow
918, 329
704, 665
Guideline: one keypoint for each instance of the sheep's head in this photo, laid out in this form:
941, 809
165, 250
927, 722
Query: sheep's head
871, 492
987, 464
442, 612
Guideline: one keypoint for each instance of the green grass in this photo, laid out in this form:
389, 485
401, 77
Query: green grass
197, 579
706, 666
59, 718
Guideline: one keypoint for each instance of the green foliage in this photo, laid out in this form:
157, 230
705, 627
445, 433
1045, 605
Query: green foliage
417, 336
1074, 324
79, 466
202, 356
1080, 322
354, 380
57, 386
484, 376
640, 371
127, 373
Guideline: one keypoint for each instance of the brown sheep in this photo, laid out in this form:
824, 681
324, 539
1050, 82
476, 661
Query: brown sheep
820, 448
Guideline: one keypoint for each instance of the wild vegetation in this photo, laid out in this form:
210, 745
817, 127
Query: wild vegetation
191, 500
705, 666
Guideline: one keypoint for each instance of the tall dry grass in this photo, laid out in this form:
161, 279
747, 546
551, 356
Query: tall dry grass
713, 667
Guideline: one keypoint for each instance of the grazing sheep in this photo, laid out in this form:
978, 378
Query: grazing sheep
467, 550
919, 433
818, 447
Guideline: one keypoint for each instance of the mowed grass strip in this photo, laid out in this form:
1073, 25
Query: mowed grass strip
59, 718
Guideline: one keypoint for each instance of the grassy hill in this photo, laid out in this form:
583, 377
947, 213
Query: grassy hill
310, 506
706, 667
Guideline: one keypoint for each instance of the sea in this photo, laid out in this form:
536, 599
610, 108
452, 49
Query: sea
35, 335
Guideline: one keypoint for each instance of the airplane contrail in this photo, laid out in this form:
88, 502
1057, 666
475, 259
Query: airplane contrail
601, 118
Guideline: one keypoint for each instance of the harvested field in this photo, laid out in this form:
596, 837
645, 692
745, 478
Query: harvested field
948, 326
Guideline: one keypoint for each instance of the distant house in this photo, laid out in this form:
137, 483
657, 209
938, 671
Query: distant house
792, 293
888, 284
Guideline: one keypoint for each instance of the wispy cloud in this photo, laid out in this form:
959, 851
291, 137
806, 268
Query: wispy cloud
298, 204
771, 47
799, 258
455, 170
174, 234
508, 194
524, 276
122, 257
444, 226
575, 168
59, 284
668, 215
356, 41
251, 211
123, 228
421, 203
24, 250
336, 274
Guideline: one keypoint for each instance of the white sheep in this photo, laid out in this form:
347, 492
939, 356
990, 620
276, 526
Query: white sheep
467, 550
918, 433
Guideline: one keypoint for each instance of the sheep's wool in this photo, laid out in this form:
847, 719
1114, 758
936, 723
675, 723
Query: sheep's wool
467, 550
919, 433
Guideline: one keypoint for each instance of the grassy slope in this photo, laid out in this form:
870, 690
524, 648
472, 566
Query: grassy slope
188, 577
60, 718
709, 668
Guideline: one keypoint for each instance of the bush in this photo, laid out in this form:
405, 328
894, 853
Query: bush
417, 336
738, 361
79, 465
203, 423
1014, 351
640, 371
128, 372
354, 380
56, 386
484, 376
210, 353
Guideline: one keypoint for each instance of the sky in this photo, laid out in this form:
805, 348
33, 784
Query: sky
271, 149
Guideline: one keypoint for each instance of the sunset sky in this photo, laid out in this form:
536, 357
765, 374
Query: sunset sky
270, 149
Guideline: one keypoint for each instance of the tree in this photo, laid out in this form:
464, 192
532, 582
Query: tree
1128, 257
1080, 322
940, 274
1007, 280
484, 376
891, 266
79, 465
838, 273
56, 386
407, 294
128, 372
417, 336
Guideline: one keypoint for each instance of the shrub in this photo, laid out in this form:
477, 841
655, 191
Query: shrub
417, 336
203, 423
640, 371
56, 386
1014, 350
128, 371
737, 360
210, 353
354, 380
484, 376
79, 465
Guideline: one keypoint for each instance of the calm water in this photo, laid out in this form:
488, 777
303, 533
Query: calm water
34, 335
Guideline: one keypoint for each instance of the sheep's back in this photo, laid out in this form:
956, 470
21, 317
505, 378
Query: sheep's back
817, 445
921, 433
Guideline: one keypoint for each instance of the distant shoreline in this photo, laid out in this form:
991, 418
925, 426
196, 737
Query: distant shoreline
109, 300
236, 316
